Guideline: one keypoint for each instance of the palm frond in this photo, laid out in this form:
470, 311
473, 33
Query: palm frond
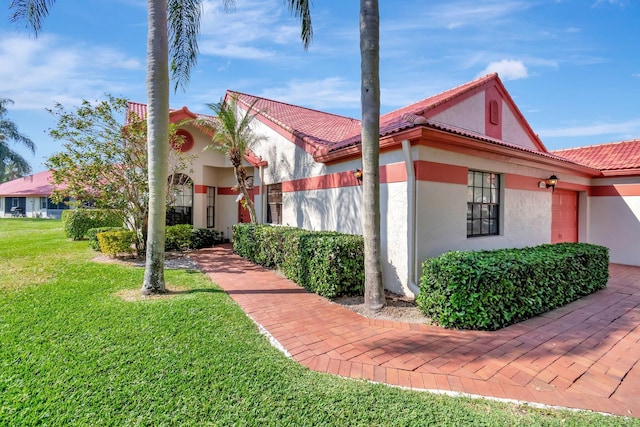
184, 26
302, 9
31, 12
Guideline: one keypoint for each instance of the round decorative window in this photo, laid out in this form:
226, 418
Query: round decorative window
183, 141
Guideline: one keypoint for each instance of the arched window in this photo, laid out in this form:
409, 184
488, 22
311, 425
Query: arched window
180, 209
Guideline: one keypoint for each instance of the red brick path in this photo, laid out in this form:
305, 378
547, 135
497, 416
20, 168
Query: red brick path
584, 355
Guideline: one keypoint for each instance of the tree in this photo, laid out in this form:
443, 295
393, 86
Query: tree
370, 101
184, 24
232, 135
104, 162
10, 160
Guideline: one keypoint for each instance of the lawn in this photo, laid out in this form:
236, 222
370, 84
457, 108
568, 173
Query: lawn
73, 352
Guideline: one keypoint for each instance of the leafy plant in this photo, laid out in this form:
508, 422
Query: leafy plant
114, 243
77, 222
327, 263
92, 235
493, 289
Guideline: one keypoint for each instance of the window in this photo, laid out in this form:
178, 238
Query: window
211, 207
64, 204
180, 208
483, 204
274, 204
43, 203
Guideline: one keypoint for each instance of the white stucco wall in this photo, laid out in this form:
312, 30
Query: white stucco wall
512, 130
615, 223
468, 114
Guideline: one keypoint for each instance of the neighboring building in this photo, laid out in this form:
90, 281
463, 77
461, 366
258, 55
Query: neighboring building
30, 196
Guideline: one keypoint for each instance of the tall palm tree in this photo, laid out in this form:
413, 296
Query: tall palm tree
184, 18
233, 136
370, 101
9, 132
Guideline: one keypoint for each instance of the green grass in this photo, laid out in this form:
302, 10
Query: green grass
72, 352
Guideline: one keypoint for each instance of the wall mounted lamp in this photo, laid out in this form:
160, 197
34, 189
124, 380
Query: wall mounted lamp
358, 175
551, 182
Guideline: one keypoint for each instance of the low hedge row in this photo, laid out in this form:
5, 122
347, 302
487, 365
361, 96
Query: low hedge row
327, 263
117, 242
77, 222
489, 290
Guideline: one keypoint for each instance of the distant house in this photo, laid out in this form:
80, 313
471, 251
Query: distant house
461, 170
30, 196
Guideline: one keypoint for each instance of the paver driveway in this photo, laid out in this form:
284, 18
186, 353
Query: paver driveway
584, 355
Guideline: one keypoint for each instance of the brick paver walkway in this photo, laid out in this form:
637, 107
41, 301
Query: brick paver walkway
584, 355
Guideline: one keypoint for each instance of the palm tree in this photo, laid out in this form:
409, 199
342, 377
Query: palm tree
370, 101
184, 18
8, 157
233, 136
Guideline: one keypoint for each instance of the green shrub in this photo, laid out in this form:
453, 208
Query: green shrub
182, 237
492, 289
78, 221
92, 235
178, 237
114, 243
327, 263
205, 238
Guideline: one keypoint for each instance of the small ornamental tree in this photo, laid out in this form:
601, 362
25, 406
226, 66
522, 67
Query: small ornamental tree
104, 163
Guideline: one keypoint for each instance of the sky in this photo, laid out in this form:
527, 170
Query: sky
571, 66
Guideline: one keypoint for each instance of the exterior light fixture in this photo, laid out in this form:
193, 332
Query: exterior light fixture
358, 175
551, 182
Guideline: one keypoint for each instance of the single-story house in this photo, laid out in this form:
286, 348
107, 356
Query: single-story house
30, 196
461, 170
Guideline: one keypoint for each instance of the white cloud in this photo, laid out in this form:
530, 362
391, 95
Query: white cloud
507, 69
37, 72
325, 94
631, 127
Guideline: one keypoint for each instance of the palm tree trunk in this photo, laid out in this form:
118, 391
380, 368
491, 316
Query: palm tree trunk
370, 99
157, 143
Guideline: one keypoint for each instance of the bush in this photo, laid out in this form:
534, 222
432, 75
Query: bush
92, 235
182, 237
78, 221
114, 243
327, 263
492, 289
178, 237
206, 237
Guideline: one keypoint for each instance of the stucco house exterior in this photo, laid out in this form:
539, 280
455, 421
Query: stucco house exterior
29, 196
461, 170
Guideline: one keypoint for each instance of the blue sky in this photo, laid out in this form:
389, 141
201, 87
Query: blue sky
572, 66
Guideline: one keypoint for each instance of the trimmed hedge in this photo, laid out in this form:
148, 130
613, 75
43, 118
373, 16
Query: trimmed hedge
182, 237
489, 290
114, 243
78, 221
330, 264
92, 235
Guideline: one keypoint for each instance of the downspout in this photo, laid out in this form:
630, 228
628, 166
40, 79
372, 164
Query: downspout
411, 219
262, 197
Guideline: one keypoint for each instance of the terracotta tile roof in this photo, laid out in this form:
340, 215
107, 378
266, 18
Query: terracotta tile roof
606, 157
33, 185
315, 127
411, 115
141, 111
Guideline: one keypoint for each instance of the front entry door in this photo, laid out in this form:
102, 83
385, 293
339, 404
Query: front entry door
564, 216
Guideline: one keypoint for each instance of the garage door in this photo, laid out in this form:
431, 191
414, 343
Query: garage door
564, 216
